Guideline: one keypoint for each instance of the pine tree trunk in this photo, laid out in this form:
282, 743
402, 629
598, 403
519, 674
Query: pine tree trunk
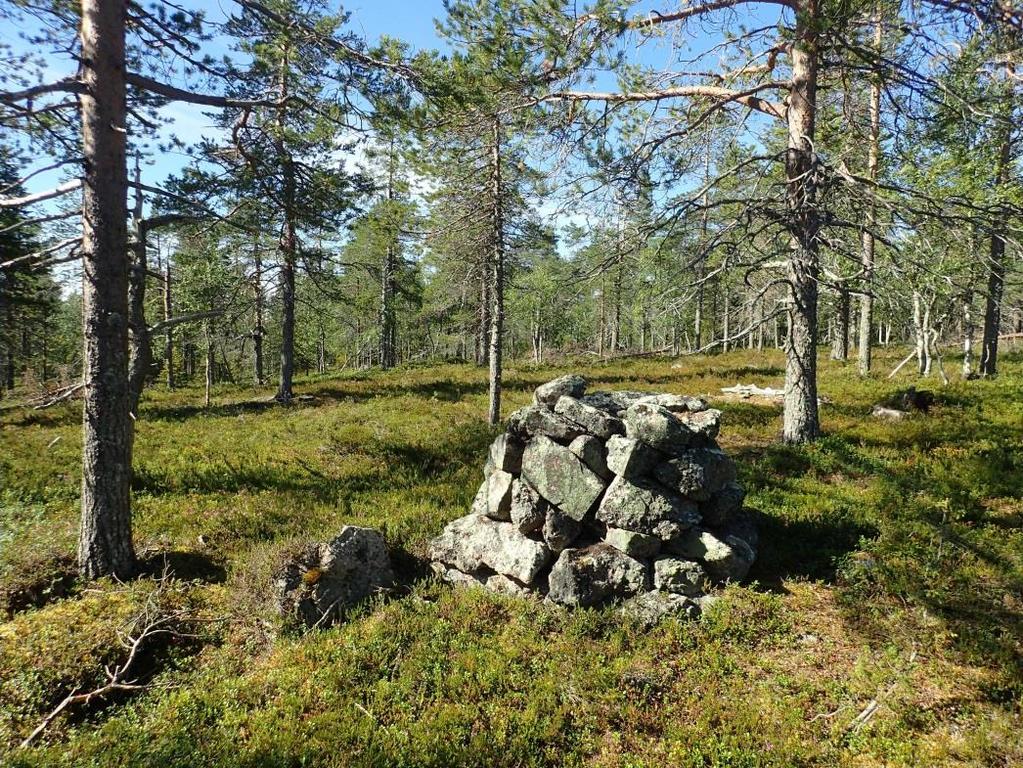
873, 163
105, 542
139, 351
968, 331
840, 343
496, 276
996, 257
726, 325
168, 347
289, 248
388, 328
801, 419
258, 332
208, 390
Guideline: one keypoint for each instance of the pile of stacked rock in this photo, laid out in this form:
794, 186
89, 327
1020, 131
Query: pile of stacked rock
591, 498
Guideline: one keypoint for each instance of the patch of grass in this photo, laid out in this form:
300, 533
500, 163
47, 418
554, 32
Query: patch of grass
891, 570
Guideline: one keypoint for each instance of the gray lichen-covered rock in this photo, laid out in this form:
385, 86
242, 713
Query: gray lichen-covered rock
595, 421
651, 607
614, 403
684, 577
640, 545
724, 505
594, 575
506, 453
561, 477
319, 584
646, 507
593, 453
534, 420
724, 560
474, 542
495, 582
706, 423
528, 507
697, 473
631, 458
560, 530
499, 493
657, 427
675, 403
548, 394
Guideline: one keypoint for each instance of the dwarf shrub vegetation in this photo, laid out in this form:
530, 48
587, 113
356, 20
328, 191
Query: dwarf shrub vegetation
890, 569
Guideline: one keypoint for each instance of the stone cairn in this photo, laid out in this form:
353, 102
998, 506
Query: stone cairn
601, 497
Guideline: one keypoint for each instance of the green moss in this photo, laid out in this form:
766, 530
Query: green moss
891, 567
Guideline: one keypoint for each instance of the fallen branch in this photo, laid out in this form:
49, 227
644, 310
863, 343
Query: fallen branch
898, 368
151, 621
59, 396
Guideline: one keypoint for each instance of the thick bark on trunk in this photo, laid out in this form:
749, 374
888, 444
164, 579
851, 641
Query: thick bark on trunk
496, 276
105, 543
801, 419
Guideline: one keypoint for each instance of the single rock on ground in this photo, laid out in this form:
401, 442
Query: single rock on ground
324, 580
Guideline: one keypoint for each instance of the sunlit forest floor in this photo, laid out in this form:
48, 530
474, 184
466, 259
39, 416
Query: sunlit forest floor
884, 625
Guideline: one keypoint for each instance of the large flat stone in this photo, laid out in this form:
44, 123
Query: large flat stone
561, 477
534, 420
595, 421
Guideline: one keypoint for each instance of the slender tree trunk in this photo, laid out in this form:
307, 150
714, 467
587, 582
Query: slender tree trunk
497, 275
968, 331
873, 163
840, 343
616, 309
139, 350
919, 333
726, 325
996, 257
289, 248
388, 329
208, 337
258, 332
168, 348
926, 336
105, 543
801, 418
